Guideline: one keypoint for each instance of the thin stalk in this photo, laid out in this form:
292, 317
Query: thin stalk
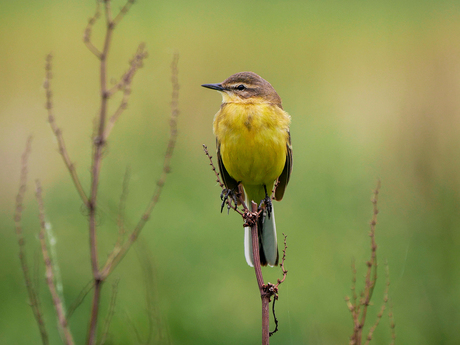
265, 297
99, 144
58, 305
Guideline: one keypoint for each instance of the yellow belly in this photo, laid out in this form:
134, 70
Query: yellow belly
253, 140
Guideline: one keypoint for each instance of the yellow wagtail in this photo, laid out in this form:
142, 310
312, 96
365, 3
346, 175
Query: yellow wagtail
254, 150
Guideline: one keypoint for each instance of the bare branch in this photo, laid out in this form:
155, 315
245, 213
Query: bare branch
205, 149
58, 133
135, 63
49, 269
358, 308
392, 324
274, 289
382, 308
283, 259
98, 145
33, 296
252, 221
88, 30
372, 263
117, 255
125, 85
230, 205
123, 12
353, 286
108, 14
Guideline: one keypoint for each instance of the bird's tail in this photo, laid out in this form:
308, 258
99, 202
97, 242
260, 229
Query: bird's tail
268, 245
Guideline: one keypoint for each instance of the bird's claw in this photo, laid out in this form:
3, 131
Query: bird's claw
227, 193
267, 203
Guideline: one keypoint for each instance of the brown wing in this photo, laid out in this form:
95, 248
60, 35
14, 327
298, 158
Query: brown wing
229, 181
283, 179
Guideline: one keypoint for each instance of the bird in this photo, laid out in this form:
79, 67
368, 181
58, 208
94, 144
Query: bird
254, 152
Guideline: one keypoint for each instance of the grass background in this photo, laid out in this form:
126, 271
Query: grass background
372, 88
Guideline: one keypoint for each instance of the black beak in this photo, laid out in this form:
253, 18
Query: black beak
217, 87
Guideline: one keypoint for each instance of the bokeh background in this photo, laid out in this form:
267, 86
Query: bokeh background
373, 89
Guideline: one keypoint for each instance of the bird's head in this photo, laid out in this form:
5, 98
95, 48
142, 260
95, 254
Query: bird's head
246, 87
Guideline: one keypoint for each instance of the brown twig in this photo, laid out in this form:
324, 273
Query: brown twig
221, 184
275, 287
88, 31
98, 146
264, 295
123, 12
359, 308
58, 132
353, 286
283, 259
31, 291
392, 324
102, 128
353, 306
233, 206
371, 274
382, 308
125, 85
118, 253
49, 269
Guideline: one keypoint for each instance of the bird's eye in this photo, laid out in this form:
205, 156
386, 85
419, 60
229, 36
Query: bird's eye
241, 87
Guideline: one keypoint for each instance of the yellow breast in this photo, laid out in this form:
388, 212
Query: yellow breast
253, 138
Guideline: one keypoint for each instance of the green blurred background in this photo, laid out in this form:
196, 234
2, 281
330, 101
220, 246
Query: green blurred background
373, 89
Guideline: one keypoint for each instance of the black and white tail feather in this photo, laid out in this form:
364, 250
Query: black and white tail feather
268, 245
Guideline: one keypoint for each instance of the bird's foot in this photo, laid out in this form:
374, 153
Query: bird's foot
225, 195
267, 203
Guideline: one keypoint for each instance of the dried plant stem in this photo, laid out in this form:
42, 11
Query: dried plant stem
283, 259
102, 129
118, 253
359, 307
392, 325
382, 308
123, 11
371, 274
98, 146
94, 312
88, 30
49, 269
95, 172
31, 291
222, 186
251, 220
265, 297
58, 133
125, 85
